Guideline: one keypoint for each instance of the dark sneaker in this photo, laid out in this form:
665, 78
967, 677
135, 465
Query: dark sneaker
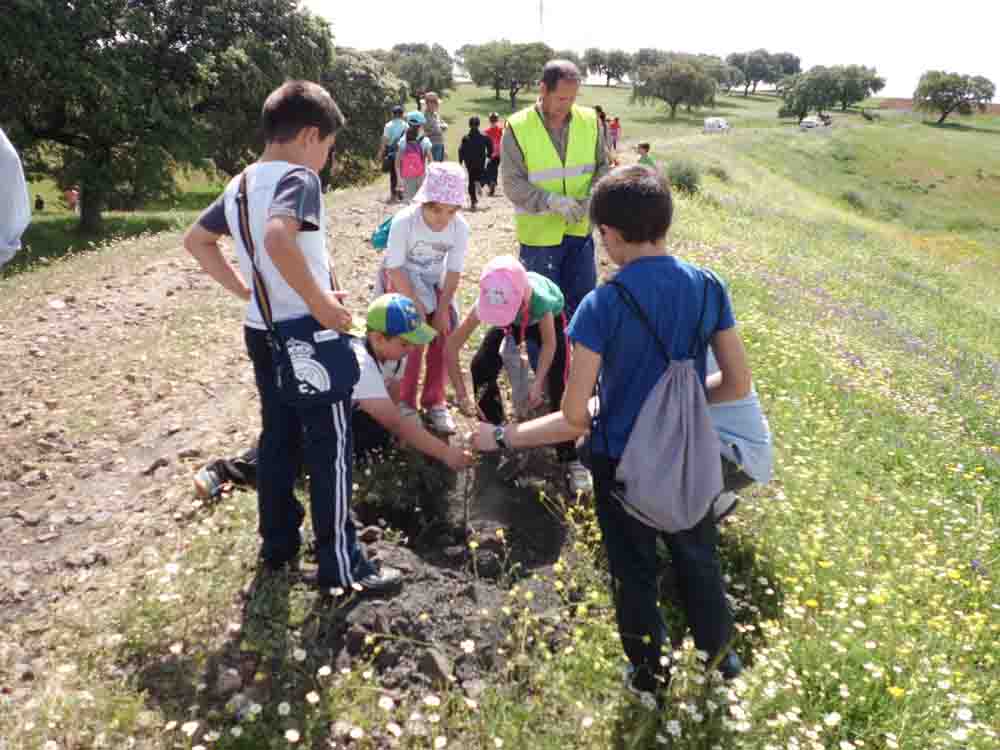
730, 667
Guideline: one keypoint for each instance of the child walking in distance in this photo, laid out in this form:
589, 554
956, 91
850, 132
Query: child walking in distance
644, 157
413, 154
495, 133
614, 133
527, 307
474, 153
424, 261
656, 307
284, 222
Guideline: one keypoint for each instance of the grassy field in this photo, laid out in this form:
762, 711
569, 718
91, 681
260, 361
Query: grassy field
54, 233
864, 265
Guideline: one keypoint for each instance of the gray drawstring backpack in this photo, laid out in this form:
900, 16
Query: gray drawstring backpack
670, 466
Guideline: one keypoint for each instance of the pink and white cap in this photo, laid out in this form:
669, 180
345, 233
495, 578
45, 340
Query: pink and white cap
445, 182
503, 286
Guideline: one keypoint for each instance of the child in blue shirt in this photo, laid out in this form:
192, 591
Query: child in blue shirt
631, 209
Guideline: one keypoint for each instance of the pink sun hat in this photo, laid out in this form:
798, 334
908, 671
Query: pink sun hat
445, 182
503, 285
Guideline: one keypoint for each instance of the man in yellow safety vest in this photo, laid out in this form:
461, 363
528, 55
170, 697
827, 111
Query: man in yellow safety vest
551, 154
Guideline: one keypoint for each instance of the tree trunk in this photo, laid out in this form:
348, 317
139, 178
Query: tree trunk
755, 86
513, 97
90, 210
673, 109
608, 81
498, 92
746, 89
943, 116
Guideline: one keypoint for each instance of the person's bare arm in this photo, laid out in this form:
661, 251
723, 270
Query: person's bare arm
204, 248
400, 281
412, 431
733, 380
453, 346
442, 315
582, 379
548, 430
547, 328
280, 241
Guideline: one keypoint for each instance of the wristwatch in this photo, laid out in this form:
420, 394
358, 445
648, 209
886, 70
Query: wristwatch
500, 435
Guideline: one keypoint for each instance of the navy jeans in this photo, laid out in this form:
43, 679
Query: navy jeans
570, 265
631, 548
321, 437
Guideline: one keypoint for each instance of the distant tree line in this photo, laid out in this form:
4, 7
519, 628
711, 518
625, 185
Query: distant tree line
115, 96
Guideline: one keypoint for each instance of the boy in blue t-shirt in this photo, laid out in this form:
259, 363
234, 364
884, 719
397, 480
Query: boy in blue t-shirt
631, 209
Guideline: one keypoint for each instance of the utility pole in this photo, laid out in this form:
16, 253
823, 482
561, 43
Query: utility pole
541, 19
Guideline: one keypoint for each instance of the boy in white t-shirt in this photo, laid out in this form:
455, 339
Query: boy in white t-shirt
394, 330
424, 261
287, 224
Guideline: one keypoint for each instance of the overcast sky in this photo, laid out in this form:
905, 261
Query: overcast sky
901, 39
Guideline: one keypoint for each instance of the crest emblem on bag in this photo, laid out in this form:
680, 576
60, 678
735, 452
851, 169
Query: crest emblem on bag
312, 376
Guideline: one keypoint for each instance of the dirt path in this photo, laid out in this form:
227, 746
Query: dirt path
126, 371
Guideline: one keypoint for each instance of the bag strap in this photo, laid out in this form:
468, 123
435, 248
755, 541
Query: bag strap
260, 289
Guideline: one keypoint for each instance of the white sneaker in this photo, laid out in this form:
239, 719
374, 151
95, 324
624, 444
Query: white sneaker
407, 411
724, 504
441, 420
579, 479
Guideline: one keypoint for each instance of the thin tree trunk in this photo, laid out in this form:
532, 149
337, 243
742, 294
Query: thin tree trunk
746, 90
943, 116
90, 210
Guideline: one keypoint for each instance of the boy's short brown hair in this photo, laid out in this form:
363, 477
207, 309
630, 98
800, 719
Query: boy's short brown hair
644, 146
636, 201
296, 105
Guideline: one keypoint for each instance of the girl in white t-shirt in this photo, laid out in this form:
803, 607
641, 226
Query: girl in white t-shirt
424, 261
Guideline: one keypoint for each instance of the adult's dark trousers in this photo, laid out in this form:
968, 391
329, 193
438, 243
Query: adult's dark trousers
488, 363
321, 435
570, 264
631, 548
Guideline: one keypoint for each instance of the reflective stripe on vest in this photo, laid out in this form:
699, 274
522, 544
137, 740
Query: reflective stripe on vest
546, 171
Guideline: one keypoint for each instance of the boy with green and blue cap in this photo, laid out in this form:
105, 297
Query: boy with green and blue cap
393, 328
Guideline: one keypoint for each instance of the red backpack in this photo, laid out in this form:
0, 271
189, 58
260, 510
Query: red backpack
412, 162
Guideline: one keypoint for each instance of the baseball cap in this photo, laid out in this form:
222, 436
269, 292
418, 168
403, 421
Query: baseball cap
396, 315
502, 287
446, 182
416, 118
397, 110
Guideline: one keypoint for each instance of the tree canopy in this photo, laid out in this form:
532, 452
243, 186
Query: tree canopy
422, 67
109, 95
366, 91
614, 64
760, 66
945, 93
503, 66
817, 89
678, 79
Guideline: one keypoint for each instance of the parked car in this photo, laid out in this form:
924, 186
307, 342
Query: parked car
808, 123
716, 125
